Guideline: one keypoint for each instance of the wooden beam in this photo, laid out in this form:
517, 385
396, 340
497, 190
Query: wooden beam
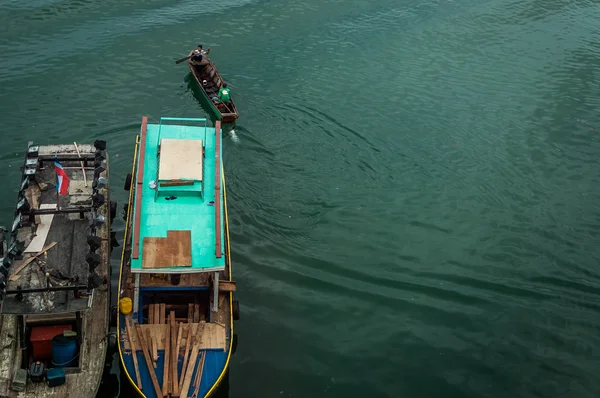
218, 188
190, 370
138, 189
196, 313
162, 312
190, 336
140, 337
81, 161
151, 314
133, 353
227, 286
199, 372
154, 344
167, 361
14, 276
174, 355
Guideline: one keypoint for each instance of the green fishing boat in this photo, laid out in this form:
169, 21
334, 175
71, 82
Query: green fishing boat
209, 82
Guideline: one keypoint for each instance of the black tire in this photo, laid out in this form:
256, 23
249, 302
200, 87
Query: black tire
234, 343
236, 310
125, 211
113, 210
113, 316
112, 343
127, 186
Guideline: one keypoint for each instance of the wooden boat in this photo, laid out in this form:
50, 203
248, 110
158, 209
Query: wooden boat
207, 72
54, 274
176, 306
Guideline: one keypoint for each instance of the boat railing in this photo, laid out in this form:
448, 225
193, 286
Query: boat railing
180, 119
218, 249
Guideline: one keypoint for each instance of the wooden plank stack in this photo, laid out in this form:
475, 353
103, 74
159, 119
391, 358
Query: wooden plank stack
173, 384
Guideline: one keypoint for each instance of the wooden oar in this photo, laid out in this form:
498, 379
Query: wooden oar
190, 56
183, 59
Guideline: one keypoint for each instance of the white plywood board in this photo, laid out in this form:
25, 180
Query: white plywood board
39, 240
180, 160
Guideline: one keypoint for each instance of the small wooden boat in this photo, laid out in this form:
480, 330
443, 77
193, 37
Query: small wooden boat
210, 82
54, 274
176, 306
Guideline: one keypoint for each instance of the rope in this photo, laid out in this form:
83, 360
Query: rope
63, 364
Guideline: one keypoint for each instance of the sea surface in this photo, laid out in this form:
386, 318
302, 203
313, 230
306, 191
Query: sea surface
413, 185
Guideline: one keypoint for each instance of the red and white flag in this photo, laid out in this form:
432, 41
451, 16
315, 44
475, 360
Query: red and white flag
62, 180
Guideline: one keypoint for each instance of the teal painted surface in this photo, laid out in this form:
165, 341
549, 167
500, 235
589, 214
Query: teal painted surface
190, 210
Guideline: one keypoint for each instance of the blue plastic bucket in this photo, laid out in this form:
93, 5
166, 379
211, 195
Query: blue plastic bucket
64, 350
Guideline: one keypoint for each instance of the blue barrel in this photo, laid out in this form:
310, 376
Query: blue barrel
64, 350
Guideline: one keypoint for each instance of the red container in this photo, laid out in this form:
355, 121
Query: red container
41, 340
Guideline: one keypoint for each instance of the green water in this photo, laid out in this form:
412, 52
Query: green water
413, 185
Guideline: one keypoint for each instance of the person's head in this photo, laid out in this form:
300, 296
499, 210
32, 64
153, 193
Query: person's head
199, 46
224, 85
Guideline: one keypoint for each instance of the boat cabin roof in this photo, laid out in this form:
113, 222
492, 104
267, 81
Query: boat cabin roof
180, 160
175, 212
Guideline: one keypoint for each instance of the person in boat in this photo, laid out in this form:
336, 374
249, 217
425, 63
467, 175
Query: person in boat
224, 95
196, 56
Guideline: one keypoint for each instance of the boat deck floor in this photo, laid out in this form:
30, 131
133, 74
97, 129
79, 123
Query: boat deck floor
62, 235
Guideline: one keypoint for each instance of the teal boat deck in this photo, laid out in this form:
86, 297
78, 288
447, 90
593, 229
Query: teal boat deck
177, 208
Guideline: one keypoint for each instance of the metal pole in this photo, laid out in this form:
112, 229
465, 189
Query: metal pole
216, 293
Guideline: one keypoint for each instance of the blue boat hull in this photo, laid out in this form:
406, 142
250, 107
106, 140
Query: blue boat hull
213, 373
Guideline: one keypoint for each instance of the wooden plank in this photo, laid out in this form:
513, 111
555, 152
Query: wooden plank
180, 160
190, 371
227, 286
173, 251
157, 313
191, 333
208, 338
154, 343
43, 224
195, 279
198, 380
81, 161
151, 314
133, 353
176, 183
167, 361
14, 277
162, 313
215, 336
144, 346
175, 337
138, 189
218, 188
196, 313
169, 307
190, 318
